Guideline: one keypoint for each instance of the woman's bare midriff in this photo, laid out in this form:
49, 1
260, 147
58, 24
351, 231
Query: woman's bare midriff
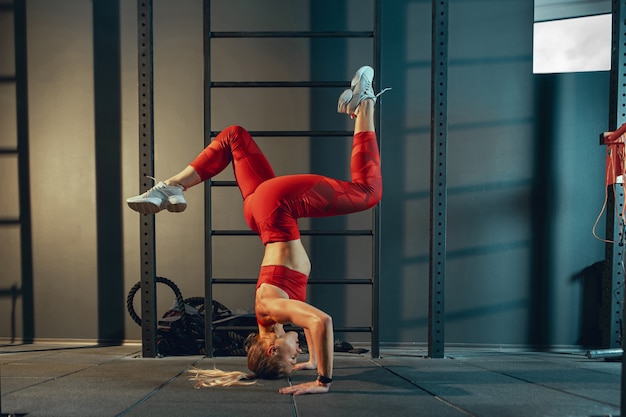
290, 254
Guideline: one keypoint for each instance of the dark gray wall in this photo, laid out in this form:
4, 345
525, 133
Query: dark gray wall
525, 171
523, 164
571, 111
490, 172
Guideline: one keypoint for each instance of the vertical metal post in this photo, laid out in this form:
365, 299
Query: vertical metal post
438, 188
208, 226
376, 235
21, 97
146, 168
616, 264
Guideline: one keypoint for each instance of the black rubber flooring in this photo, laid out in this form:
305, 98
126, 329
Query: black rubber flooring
76, 380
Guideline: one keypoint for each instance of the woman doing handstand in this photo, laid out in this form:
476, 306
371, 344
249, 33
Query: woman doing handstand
271, 208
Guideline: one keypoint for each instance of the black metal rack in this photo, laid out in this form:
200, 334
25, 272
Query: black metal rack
146, 156
211, 233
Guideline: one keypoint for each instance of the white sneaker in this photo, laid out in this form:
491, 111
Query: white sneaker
360, 89
159, 197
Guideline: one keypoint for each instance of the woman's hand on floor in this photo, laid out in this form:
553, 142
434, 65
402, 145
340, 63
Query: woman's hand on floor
314, 387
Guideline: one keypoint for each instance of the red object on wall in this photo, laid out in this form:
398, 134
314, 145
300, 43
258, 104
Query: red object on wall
615, 160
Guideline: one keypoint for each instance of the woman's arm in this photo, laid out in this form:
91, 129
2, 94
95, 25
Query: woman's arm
312, 362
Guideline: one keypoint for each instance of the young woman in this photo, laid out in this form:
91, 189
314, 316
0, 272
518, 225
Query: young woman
271, 207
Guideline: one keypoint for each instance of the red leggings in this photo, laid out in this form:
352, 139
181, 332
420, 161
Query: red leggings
273, 204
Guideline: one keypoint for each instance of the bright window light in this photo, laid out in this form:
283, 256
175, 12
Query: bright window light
572, 45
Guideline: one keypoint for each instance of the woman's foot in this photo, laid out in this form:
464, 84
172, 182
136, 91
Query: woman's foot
161, 196
360, 89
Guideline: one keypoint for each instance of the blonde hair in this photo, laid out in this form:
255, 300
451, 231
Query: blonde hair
216, 378
262, 365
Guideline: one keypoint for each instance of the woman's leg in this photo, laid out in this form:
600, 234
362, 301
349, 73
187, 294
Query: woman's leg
232, 144
365, 159
328, 196
365, 188
186, 178
280, 201
364, 121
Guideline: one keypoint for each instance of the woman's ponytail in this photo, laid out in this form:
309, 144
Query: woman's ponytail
216, 378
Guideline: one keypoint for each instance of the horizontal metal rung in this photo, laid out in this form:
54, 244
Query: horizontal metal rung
302, 232
366, 232
224, 183
293, 34
352, 329
232, 233
311, 281
8, 151
290, 328
234, 280
234, 328
346, 281
7, 79
294, 134
279, 84
8, 222
6, 7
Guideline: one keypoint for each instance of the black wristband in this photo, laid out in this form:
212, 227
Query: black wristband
324, 380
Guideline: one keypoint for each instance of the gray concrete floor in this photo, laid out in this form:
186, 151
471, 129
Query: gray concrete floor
76, 380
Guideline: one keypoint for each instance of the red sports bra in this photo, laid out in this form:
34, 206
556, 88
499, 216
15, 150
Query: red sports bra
288, 280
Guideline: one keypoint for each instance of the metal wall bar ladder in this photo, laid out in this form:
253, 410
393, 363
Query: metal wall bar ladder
20, 152
211, 233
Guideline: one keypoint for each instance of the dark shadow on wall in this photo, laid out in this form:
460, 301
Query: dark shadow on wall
568, 190
26, 291
107, 96
590, 281
539, 329
394, 134
328, 155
